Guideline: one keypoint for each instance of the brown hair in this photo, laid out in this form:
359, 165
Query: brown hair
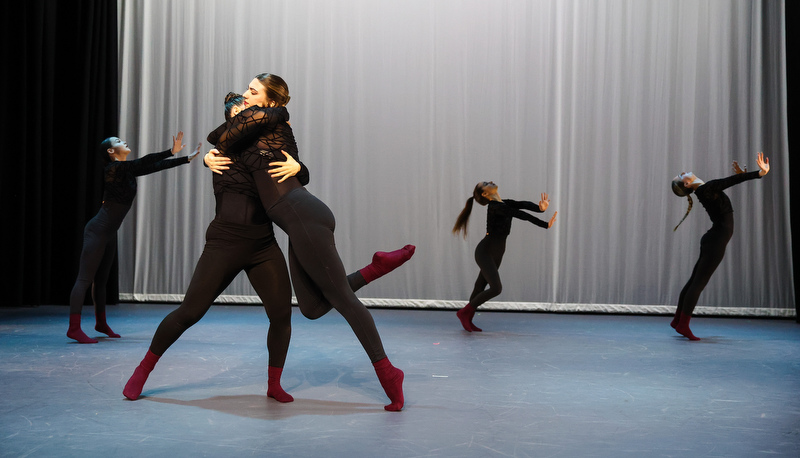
276, 87
463, 217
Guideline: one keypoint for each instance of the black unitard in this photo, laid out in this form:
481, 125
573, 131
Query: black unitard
490, 250
100, 233
713, 243
240, 238
317, 270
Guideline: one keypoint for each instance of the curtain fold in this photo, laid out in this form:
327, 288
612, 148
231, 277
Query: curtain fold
399, 108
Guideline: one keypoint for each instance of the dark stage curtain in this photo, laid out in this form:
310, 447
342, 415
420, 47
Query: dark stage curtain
60, 92
792, 14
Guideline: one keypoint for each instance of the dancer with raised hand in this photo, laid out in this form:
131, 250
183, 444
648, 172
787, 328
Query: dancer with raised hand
307, 221
490, 250
715, 240
100, 233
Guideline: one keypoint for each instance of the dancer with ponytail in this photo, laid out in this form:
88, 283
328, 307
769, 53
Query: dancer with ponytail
715, 240
490, 250
100, 233
320, 278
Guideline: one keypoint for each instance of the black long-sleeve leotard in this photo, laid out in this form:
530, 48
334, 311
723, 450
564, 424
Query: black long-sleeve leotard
100, 233
715, 240
500, 214
489, 252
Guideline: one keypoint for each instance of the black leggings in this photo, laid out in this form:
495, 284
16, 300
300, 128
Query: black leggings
488, 254
97, 256
231, 248
317, 268
712, 250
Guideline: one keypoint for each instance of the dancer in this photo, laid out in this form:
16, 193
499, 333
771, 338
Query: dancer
100, 233
309, 223
490, 250
713, 243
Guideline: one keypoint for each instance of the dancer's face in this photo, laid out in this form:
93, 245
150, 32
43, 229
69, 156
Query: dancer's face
489, 188
119, 150
687, 178
256, 94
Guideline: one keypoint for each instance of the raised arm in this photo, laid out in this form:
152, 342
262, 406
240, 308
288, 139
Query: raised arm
507, 208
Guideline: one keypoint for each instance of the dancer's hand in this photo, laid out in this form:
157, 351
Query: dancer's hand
738, 169
763, 164
194, 153
552, 220
286, 169
177, 143
545, 202
216, 162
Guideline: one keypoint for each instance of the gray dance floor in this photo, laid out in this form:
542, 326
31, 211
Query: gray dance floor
541, 385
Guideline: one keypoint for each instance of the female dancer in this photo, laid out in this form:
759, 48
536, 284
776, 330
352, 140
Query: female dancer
100, 233
308, 222
713, 243
490, 250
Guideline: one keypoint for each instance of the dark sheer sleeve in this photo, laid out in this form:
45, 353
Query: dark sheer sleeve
214, 135
724, 183
151, 163
249, 122
303, 176
507, 210
523, 205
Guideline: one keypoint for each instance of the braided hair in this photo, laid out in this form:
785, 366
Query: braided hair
680, 190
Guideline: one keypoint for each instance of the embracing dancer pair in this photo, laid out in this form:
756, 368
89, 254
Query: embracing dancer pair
257, 138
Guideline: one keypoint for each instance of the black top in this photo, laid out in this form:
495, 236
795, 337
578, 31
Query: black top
120, 176
717, 204
499, 215
254, 138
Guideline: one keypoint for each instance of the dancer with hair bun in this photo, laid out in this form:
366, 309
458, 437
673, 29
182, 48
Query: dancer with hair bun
100, 233
490, 250
314, 261
715, 240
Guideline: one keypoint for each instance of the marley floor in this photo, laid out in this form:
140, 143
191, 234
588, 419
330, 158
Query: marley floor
530, 385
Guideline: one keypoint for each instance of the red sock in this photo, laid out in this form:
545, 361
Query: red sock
683, 327
75, 331
465, 315
136, 383
274, 389
383, 263
675, 319
102, 326
392, 382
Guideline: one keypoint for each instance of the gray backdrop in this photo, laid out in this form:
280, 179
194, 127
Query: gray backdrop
401, 107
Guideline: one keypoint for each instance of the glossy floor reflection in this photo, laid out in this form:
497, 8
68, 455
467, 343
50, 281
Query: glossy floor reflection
530, 385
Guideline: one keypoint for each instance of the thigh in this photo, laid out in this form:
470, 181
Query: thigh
270, 279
